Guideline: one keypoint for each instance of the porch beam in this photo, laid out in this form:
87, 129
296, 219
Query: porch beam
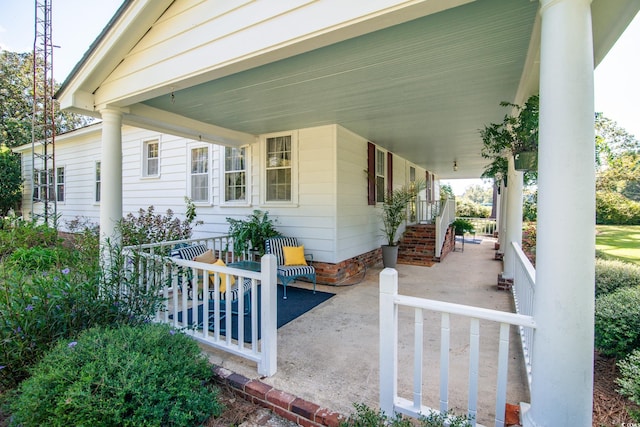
562, 360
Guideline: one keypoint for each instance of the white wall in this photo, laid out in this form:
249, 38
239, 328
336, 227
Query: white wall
330, 215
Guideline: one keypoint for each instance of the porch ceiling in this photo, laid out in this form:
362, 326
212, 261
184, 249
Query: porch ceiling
421, 89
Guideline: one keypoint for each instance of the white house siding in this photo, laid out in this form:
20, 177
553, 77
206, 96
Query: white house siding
77, 153
357, 222
214, 38
331, 216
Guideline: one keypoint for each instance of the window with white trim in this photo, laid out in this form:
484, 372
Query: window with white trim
151, 158
43, 185
60, 184
278, 169
380, 176
235, 174
98, 180
199, 174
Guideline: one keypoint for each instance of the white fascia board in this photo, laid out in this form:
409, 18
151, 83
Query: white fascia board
108, 53
146, 117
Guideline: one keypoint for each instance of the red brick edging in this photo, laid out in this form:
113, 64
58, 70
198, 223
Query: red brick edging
286, 405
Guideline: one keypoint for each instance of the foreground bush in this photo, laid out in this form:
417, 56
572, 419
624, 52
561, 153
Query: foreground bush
38, 309
629, 380
612, 275
146, 375
367, 417
617, 322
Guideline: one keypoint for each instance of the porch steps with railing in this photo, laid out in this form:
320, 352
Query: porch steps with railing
418, 245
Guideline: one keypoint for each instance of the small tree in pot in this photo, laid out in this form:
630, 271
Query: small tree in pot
394, 213
252, 232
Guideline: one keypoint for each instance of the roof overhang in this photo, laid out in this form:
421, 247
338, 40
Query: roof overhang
417, 77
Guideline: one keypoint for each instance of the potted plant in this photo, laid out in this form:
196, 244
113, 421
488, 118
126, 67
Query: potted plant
517, 134
394, 212
251, 233
462, 226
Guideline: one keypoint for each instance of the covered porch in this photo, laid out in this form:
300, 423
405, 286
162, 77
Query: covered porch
419, 78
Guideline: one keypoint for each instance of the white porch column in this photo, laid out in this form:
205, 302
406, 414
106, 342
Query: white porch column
502, 217
111, 175
562, 362
514, 219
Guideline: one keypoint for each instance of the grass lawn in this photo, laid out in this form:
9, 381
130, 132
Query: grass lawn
619, 241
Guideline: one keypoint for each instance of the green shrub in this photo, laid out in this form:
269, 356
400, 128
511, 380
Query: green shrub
38, 309
25, 234
617, 322
470, 209
147, 375
612, 275
367, 417
34, 259
614, 208
629, 380
149, 227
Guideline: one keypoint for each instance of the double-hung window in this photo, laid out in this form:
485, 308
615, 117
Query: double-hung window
278, 169
43, 185
380, 176
235, 174
199, 174
151, 158
60, 184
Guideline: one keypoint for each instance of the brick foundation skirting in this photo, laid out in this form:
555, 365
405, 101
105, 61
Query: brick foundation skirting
335, 274
286, 405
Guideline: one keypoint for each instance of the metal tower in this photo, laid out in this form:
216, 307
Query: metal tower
43, 129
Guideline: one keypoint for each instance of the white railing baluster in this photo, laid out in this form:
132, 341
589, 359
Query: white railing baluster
474, 362
418, 359
503, 365
445, 332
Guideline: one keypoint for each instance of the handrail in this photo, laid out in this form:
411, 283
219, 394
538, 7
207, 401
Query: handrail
523, 290
446, 217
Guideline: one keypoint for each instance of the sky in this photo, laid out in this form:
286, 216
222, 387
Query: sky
77, 23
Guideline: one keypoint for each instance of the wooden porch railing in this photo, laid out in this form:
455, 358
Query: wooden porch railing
390, 302
445, 217
188, 310
523, 289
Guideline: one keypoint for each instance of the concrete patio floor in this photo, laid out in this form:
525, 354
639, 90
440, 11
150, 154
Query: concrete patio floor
329, 355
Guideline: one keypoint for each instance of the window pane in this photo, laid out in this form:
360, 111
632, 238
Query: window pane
279, 151
152, 155
235, 186
379, 162
380, 189
279, 185
199, 188
97, 181
200, 160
